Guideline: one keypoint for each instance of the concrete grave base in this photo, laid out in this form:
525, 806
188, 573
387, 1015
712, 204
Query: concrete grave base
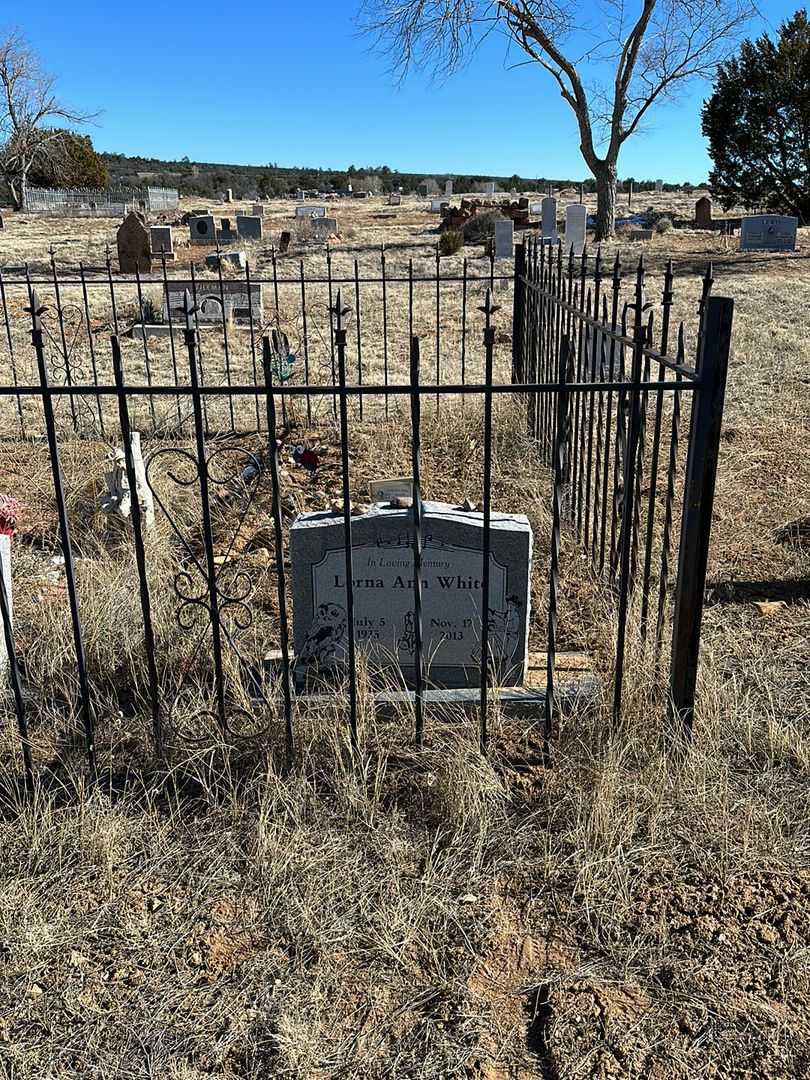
576, 686
147, 330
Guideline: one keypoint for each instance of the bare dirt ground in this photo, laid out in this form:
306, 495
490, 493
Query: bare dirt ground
620, 912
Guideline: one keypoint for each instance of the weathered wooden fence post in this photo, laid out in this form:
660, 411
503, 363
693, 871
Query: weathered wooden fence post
696, 525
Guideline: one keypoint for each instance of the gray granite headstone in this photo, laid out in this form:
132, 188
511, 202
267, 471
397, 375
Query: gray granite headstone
383, 592
258, 210
160, 237
249, 227
548, 223
237, 301
576, 218
504, 239
489, 187
226, 234
768, 232
323, 227
448, 187
394, 199
310, 211
202, 230
5, 558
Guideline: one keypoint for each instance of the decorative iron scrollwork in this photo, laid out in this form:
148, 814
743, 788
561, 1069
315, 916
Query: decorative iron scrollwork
213, 594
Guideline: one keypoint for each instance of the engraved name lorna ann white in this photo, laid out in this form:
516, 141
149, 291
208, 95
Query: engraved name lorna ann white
383, 590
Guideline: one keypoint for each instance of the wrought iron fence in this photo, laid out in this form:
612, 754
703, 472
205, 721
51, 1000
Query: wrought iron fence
614, 366
606, 398
83, 305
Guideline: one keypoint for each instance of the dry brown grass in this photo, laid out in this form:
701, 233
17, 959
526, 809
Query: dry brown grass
625, 912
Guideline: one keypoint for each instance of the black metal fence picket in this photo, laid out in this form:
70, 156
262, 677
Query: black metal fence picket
82, 305
612, 483
605, 398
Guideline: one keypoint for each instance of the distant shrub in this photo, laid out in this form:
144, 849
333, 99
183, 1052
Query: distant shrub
481, 228
663, 225
451, 242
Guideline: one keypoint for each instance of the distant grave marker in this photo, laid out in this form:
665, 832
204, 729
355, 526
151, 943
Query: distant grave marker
504, 239
310, 211
703, 213
576, 220
237, 302
768, 232
249, 227
161, 241
202, 229
322, 227
134, 248
225, 234
548, 221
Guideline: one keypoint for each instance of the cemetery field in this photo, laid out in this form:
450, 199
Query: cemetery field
616, 911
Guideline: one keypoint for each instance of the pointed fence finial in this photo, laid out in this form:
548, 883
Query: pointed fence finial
489, 308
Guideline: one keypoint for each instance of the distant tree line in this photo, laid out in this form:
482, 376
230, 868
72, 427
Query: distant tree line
209, 180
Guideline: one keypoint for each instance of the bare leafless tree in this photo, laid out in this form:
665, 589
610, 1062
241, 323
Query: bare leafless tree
32, 118
612, 60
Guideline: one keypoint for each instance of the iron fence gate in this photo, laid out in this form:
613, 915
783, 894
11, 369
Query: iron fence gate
604, 392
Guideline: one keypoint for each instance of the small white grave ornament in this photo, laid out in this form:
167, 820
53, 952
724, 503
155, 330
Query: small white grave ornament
117, 499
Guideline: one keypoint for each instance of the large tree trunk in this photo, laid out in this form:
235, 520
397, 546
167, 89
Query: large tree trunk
605, 175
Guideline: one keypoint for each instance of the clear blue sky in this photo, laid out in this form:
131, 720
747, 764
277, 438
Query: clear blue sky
260, 80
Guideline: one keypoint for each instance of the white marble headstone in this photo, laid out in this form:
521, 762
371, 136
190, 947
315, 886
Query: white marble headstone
576, 218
